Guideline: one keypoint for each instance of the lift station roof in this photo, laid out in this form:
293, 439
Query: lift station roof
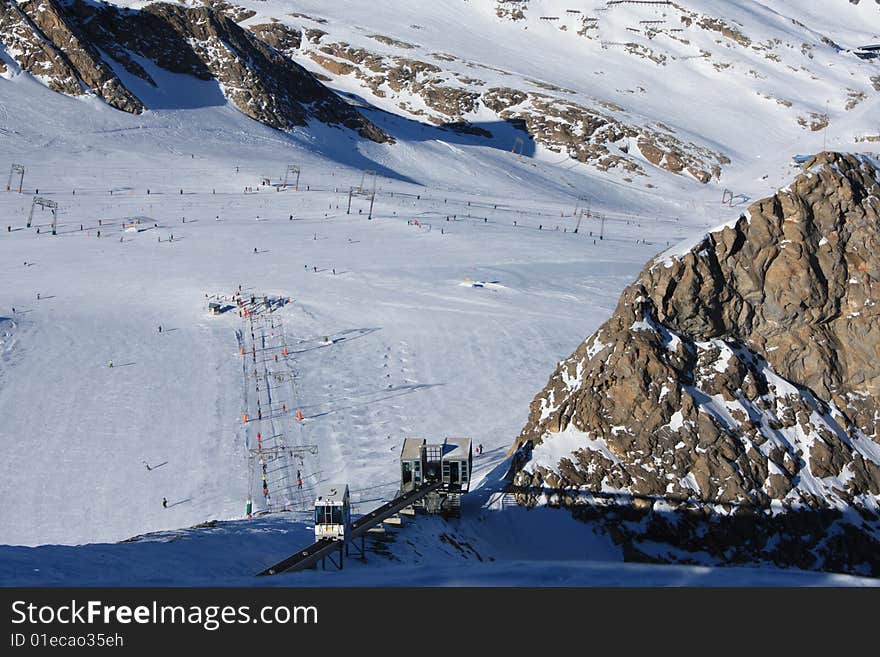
332, 494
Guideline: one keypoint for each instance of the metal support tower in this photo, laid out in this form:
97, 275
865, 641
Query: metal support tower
362, 191
292, 169
15, 169
44, 203
584, 203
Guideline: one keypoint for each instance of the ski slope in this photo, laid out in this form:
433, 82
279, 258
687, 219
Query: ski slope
411, 351
391, 345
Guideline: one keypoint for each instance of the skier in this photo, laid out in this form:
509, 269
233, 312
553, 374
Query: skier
164, 503
38, 296
111, 363
147, 466
160, 328
255, 249
299, 483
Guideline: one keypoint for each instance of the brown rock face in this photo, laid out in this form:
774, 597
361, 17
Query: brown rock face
49, 45
595, 136
742, 376
279, 36
60, 42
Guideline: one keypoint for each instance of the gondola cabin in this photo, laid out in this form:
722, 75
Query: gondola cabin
449, 462
332, 512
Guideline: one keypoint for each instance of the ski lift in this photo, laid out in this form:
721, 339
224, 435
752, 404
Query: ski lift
332, 512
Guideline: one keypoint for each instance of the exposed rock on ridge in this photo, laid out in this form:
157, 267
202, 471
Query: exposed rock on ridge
60, 43
740, 377
600, 134
44, 42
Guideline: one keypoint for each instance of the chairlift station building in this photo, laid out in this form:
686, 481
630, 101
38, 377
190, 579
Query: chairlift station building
449, 462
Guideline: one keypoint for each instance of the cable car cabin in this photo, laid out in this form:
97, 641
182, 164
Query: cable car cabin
332, 512
450, 462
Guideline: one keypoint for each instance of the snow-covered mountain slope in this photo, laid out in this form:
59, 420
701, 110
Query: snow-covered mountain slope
67, 44
699, 87
414, 353
485, 548
392, 344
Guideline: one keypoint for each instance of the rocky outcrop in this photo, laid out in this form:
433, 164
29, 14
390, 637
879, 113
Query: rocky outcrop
278, 35
235, 12
44, 42
596, 135
385, 75
599, 135
738, 378
63, 45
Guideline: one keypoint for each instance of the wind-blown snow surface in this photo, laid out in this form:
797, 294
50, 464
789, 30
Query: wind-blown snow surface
411, 352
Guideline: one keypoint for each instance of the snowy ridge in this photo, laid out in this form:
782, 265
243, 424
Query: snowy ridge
788, 66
